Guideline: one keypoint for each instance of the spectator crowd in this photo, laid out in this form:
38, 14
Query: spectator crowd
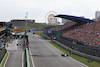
62, 27
89, 33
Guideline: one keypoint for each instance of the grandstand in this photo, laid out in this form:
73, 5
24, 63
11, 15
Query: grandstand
2, 31
62, 27
88, 33
2, 36
76, 21
81, 35
81, 29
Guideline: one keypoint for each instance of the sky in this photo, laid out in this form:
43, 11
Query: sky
38, 9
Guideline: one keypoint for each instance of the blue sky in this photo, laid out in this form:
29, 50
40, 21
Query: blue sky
37, 9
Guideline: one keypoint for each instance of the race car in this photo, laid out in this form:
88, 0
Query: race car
64, 55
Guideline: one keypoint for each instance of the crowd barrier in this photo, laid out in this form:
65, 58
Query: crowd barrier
25, 57
2, 53
77, 52
27, 62
91, 50
46, 36
80, 48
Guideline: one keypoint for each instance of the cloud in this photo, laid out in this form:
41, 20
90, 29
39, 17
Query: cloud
37, 9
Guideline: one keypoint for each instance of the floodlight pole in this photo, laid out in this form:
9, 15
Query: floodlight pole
26, 21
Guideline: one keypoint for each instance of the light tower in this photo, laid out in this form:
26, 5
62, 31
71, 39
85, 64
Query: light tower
26, 21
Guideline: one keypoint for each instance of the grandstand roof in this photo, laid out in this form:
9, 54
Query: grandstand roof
74, 18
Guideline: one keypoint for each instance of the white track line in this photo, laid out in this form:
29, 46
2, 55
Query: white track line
31, 58
6, 59
23, 59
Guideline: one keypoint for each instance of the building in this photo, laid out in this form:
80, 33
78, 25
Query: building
2, 24
97, 16
22, 21
98, 19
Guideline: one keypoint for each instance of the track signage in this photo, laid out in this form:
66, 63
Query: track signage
20, 36
18, 30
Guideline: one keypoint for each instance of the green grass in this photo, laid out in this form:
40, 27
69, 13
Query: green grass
4, 60
79, 58
36, 25
43, 37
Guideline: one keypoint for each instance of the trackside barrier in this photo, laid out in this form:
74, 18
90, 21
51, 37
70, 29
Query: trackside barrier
46, 36
27, 58
2, 53
75, 51
3, 59
80, 46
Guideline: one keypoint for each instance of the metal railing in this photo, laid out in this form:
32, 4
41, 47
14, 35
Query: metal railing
75, 51
27, 58
2, 62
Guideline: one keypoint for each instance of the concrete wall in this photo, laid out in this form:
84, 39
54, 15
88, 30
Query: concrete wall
2, 53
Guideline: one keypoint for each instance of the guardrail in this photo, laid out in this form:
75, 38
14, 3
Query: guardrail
27, 58
3, 60
2, 53
46, 36
77, 52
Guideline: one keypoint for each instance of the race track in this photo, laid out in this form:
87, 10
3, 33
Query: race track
45, 54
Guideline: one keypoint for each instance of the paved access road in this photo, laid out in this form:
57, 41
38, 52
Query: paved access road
46, 55
15, 53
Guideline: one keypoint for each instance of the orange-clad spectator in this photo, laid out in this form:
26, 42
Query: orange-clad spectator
87, 33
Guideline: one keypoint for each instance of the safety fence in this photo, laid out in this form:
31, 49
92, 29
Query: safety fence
27, 62
2, 53
3, 57
77, 52
25, 59
88, 49
91, 52
46, 36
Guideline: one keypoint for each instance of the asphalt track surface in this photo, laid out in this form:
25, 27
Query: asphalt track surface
46, 55
15, 54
